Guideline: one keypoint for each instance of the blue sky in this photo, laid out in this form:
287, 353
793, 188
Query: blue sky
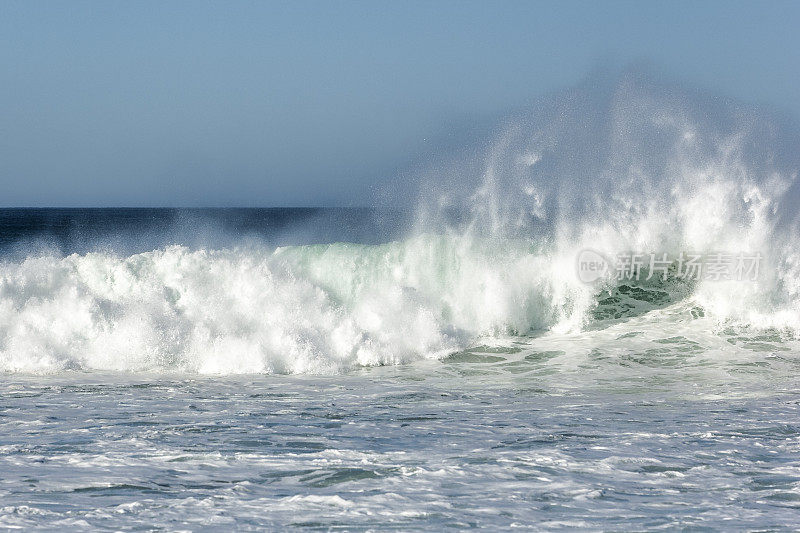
318, 103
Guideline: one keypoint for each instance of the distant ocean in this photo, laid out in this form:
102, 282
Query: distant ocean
604, 337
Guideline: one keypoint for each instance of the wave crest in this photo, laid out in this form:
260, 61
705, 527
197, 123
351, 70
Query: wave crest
321, 308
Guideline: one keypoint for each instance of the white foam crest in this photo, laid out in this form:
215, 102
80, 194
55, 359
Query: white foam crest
646, 168
315, 309
634, 167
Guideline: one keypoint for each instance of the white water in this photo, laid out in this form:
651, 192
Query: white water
530, 399
298, 309
629, 167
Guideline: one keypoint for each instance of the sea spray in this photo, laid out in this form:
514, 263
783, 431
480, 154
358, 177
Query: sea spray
633, 165
620, 166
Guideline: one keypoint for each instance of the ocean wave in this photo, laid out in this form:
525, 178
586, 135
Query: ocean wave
629, 167
323, 308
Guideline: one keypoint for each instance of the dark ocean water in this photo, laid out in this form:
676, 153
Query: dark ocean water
132, 230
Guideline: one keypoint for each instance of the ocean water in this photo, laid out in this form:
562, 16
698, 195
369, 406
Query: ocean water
450, 365
193, 388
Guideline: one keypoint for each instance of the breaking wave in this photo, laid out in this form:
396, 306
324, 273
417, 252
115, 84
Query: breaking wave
613, 166
298, 309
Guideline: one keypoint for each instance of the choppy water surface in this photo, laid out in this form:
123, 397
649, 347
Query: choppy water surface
493, 437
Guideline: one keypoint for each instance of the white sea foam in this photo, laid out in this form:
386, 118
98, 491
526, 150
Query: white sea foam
298, 309
633, 166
